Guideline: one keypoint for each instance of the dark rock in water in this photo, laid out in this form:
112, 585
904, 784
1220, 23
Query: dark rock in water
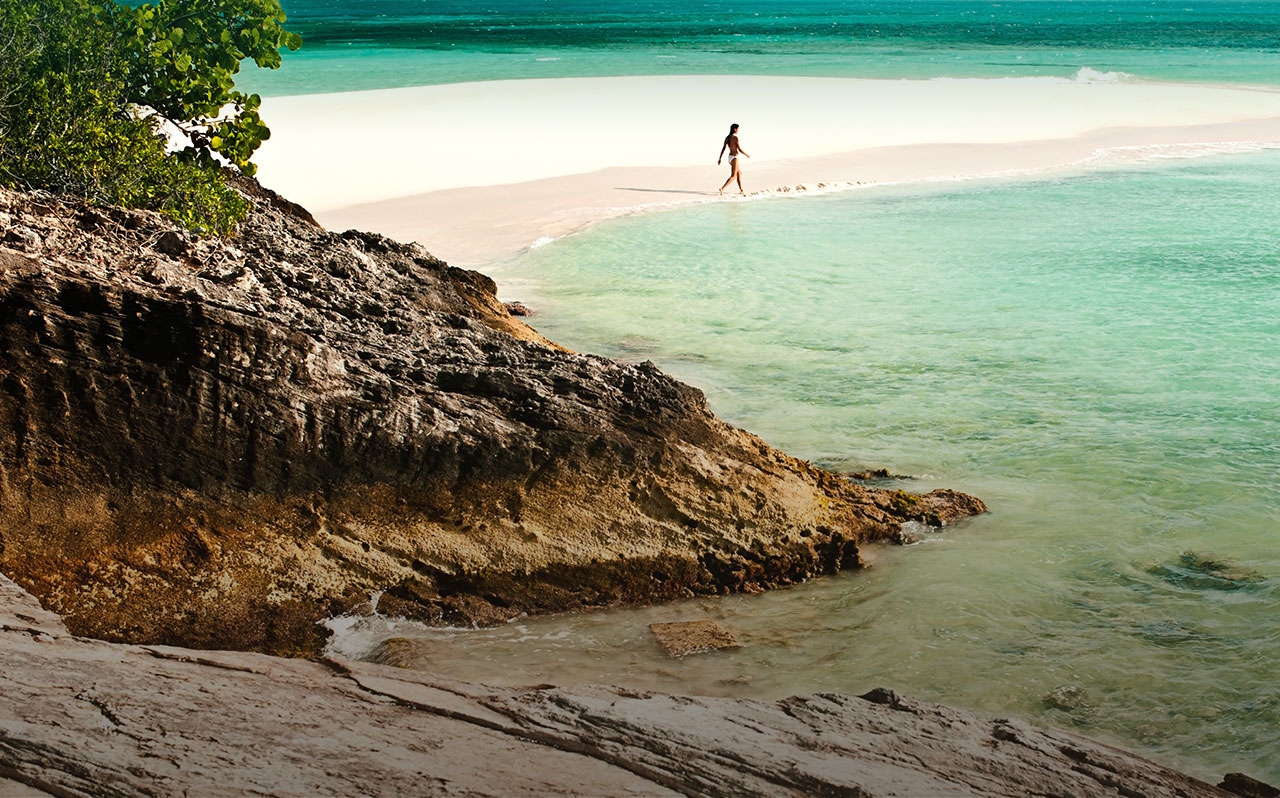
1204, 571
1067, 698
217, 444
1247, 786
878, 473
517, 308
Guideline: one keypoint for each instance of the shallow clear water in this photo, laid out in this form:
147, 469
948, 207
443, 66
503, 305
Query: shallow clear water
364, 44
1093, 354
1096, 355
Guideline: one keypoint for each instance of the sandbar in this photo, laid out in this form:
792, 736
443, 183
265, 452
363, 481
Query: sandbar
476, 172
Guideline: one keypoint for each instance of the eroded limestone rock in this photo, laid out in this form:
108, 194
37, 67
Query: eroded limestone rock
215, 442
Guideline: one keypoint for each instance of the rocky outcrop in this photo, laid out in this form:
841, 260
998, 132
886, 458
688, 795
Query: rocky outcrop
84, 717
215, 442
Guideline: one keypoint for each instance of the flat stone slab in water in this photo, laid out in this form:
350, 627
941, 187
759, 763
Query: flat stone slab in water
689, 637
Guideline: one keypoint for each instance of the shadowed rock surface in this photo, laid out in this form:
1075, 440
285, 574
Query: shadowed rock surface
213, 443
84, 717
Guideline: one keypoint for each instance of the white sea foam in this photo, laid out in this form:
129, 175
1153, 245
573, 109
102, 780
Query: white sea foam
542, 242
1091, 75
1101, 158
1144, 153
355, 635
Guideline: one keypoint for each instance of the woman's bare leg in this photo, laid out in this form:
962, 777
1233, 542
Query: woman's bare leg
735, 173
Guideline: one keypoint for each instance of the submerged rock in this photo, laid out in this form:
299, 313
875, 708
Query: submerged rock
401, 652
1067, 697
692, 637
217, 443
1169, 632
1204, 571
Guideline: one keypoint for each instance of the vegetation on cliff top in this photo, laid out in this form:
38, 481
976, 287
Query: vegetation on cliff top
135, 105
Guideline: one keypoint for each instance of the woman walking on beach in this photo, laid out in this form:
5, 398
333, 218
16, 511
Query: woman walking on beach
736, 153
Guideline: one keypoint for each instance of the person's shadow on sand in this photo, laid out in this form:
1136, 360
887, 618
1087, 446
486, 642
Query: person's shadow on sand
666, 191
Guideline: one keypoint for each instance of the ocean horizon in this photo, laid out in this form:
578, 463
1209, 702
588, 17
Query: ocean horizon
352, 46
1090, 351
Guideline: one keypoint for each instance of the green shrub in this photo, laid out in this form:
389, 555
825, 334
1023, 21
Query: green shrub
86, 90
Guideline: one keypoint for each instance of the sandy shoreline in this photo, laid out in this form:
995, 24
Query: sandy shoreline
477, 172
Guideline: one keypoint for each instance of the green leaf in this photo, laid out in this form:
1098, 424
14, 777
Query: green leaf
70, 93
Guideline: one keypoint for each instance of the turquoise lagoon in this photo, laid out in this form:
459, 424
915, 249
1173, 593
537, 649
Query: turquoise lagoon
1095, 353
364, 44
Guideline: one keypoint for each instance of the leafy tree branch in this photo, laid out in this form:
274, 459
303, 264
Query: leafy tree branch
86, 87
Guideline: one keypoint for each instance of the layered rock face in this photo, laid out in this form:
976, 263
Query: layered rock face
214, 443
83, 717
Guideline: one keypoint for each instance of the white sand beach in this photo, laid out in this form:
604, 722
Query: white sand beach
479, 171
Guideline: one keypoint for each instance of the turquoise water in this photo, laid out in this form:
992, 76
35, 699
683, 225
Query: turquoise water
1097, 355
385, 43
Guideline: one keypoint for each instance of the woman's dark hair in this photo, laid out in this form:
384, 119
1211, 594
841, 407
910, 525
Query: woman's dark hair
733, 128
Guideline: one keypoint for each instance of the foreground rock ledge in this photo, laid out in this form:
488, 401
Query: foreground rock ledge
83, 717
214, 443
